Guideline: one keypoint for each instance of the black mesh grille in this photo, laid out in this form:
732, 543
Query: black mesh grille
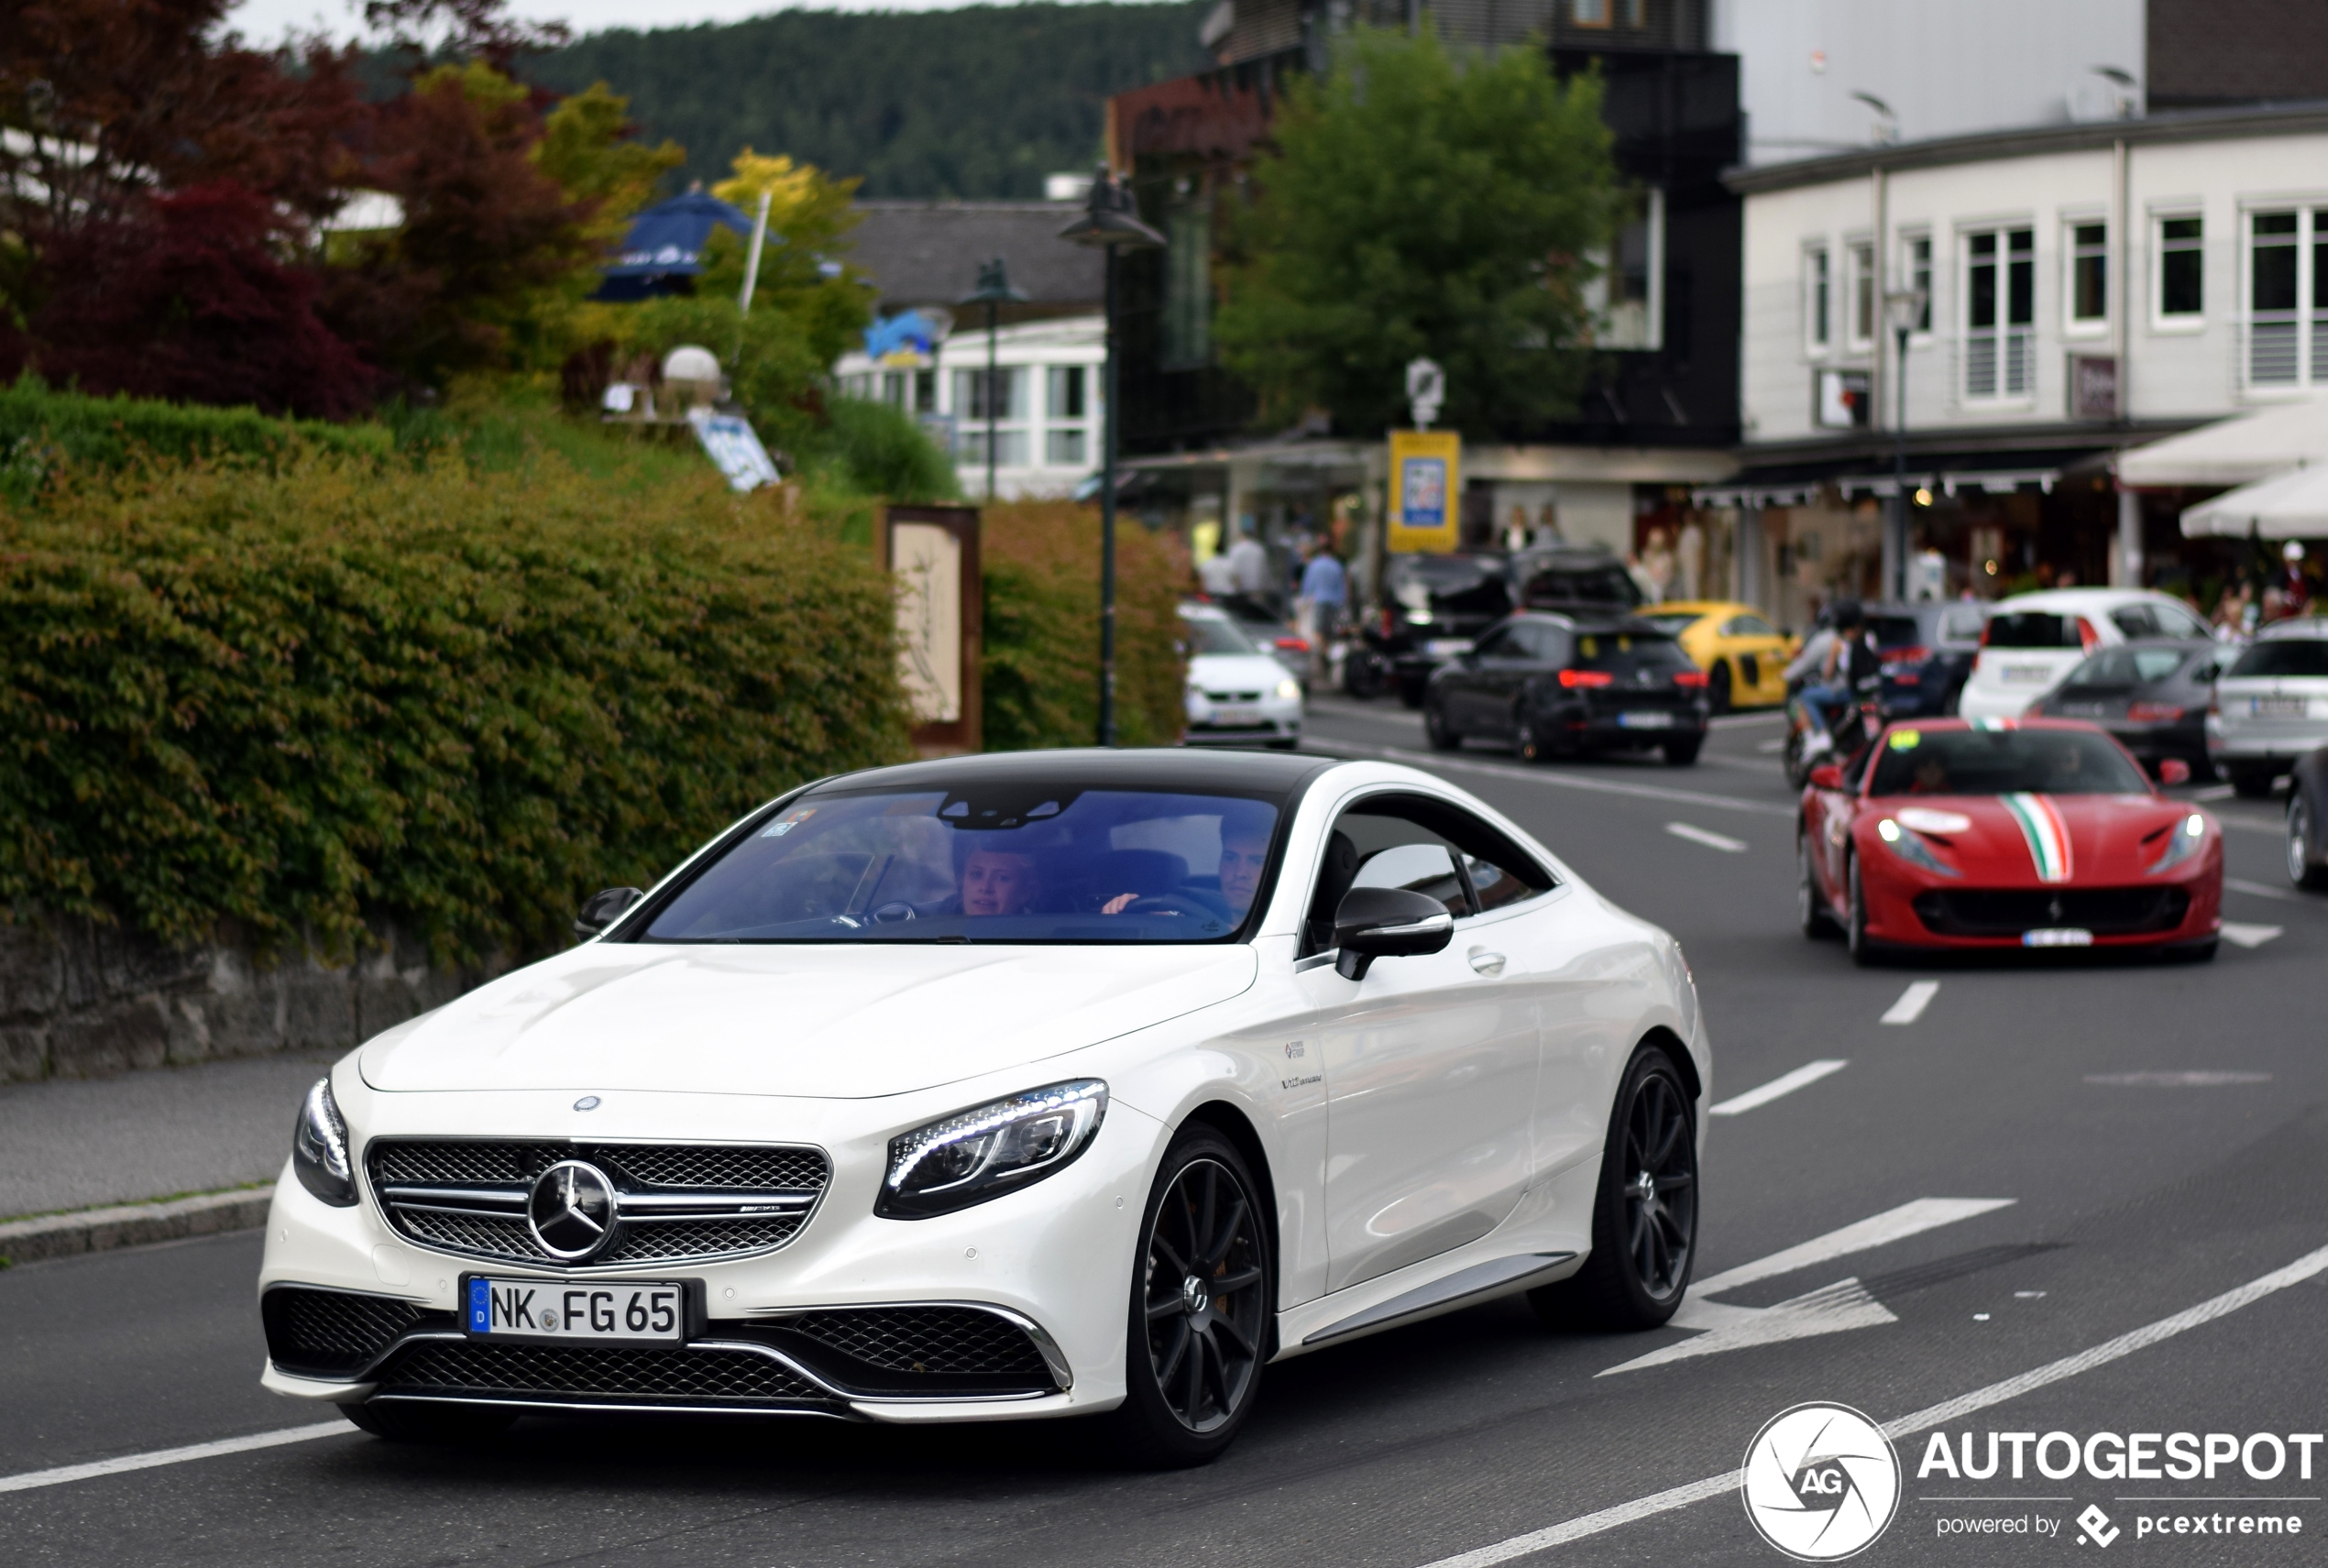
686, 1165
691, 1376
2008, 912
486, 1235
458, 1162
333, 1331
924, 1339
699, 1238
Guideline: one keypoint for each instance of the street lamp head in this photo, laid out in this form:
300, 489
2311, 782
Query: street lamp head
994, 286
1111, 220
1904, 308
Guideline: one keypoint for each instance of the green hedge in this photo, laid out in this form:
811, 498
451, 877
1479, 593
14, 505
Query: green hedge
296, 700
43, 431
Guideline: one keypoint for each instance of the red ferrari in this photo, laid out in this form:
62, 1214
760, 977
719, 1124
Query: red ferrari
2006, 833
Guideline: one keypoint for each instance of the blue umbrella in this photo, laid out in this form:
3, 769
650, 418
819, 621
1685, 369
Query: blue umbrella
666, 244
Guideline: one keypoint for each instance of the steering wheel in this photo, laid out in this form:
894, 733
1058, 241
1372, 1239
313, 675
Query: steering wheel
892, 912
1171, 904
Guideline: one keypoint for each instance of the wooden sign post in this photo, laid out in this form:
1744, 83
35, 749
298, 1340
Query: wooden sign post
933, 551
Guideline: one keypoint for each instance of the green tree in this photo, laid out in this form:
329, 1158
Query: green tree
1422, 200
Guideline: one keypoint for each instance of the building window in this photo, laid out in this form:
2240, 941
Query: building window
1066, 407
1818, 287
1188, 290
1588, 13
1009, 387
1628, 298
2089, 274
2272, 306
1864, 302
1010, 447
1919, 276
2182, 268
2000, 313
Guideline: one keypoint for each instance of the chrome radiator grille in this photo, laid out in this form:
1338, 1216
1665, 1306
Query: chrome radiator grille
672, 1202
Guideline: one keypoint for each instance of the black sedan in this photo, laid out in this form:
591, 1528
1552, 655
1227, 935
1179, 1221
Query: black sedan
1927, 648
1562, 685
2151, 693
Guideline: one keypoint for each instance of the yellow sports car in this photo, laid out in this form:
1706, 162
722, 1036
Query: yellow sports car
1743, 655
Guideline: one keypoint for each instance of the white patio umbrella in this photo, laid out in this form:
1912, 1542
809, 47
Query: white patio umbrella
2293, 505
2236, 450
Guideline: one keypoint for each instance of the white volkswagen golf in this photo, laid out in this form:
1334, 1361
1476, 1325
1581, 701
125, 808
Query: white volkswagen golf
1005, 1086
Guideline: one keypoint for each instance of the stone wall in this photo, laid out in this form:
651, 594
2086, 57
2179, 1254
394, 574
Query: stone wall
78, 1000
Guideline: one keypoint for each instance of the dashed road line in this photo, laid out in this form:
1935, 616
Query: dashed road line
31, 1479
2201, 1080
1912, 1003
1877, 1230
2261, 890
1551, 776
1947, 1412
2248, 936
1809, 1072
1722, 841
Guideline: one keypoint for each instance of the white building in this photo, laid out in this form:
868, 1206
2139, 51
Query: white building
1046, 413
2087, 287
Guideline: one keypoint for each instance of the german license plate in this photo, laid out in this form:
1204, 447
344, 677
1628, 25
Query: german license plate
1447, 647
2028, 674
1644, 721
648, 1311
2276, 706
1236, 716
2058, 936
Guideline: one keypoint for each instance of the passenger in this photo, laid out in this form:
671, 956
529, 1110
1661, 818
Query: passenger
997, 882
1931, 776
1244, 851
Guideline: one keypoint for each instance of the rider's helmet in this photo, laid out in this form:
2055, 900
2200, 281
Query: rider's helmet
1848, 616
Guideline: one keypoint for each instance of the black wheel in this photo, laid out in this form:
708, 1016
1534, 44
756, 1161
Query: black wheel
1855, 921
1718, 686
1644, 1214
1682, 753
1361, 675
1791, 758
1526, 744
458, 1425
2249, 781
1410, 693
1436, 731
1811, 904
1200, 1308
2303, 862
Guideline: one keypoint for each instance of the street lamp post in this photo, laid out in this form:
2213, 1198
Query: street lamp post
1111, 222
1904, 308
993, 292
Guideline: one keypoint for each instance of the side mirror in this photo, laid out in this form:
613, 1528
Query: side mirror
1828, 775
2173, 771
602, 909
1387, 923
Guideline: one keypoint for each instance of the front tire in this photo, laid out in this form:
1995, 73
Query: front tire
1855, 923
448, 1425
1200, 1295
1435, 729
2303, 865
1645, 1213
1811, 904
2248, 781
1718, 686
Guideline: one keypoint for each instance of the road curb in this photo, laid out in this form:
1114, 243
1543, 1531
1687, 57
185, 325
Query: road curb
133, 1224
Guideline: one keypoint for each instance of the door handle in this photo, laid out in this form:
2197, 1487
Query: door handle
1487, 963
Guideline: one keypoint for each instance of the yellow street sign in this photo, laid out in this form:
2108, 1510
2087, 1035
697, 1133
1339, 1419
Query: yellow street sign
1426, 493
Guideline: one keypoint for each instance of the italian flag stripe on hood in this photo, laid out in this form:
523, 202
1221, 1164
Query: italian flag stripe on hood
2049, 837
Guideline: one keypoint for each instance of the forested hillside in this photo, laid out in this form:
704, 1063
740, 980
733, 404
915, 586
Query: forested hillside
981, 102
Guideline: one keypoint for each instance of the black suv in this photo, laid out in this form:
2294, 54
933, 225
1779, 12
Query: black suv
1436, 607
1565, 684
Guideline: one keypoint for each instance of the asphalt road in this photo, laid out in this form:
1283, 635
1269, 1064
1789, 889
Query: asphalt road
2148, 1140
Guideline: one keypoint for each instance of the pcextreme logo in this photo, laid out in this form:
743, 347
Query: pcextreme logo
1822, 1481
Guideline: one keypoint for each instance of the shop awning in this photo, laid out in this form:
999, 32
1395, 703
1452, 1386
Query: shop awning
2233, 451
2293, 505
1801, 492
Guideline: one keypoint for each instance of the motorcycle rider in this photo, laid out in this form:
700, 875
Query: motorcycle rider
1850, 672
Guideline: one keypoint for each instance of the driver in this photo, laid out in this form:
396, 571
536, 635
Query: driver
998, 881
1244, 849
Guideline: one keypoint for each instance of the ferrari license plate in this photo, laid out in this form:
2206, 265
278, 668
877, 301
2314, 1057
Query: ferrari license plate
652, 1312
2276, 706
2058, 936
1650, 721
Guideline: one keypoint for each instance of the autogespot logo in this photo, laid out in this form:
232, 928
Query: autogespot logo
1821, 1482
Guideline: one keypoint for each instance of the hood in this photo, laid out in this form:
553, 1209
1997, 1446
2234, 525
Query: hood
2032, 841
1237, 672
826, 1021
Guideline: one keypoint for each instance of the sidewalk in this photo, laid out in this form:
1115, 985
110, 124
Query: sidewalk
79, 1144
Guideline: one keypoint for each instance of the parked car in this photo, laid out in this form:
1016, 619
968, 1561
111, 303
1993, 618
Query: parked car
1433, 606
1236, 694
1927, 648
1585, 579
2271, 704
1268, 632
2151, 695
2308, 820
2031, 640
1743, 655
1562, 685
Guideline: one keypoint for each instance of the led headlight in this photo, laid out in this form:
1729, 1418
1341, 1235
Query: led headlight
319, 1148
1911, 849
985, 1152
2181, 844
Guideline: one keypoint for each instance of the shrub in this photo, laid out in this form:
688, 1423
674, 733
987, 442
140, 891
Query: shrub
1040, 672
458, 699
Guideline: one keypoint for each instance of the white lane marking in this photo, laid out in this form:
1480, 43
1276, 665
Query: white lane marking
2213, 792
1879, 1230
2260, 890
31, 1479
1809, 1072
1722, 841
1931, 1416
1912, 1003
2176, 1080
1831, 1310
1553, 776
2250, 936
1740, 721
1771, 747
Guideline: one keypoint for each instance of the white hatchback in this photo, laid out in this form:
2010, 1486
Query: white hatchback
1237, 693
2270, 704
2031, 640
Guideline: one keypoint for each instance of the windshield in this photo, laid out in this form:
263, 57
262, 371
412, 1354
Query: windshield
1896, 631
1625, 652
1611, 586
1676, 624
1012, 863
2127, 667
2005, 761
2033, 629
1215, 634
2283, 656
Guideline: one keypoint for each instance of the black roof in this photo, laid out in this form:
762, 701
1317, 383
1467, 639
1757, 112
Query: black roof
928, 253
1161, 768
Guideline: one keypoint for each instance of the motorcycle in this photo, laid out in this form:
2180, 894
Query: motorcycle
1806, 748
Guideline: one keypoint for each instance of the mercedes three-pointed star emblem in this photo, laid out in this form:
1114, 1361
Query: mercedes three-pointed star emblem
571, 1210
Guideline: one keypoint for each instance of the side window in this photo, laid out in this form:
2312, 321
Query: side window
1855, 770
2177, 621
1749, 626
2135, 620
1542, 642
1423, 844
1495, 644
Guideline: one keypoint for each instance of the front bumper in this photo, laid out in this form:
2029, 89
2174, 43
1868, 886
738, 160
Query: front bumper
1909, 907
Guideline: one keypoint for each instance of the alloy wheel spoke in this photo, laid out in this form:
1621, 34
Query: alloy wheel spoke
1228, 1284
1216, 1373
1192, 1376
1181, 1335
1167, 1307
1161, 1245
1236, 1335
1216, 1255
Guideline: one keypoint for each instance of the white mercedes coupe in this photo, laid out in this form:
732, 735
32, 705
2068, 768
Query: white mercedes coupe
1002, 1087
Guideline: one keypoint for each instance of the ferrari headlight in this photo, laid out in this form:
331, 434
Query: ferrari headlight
1289, 689
2181, 844
319, 1148
991, 1149
1911, 849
